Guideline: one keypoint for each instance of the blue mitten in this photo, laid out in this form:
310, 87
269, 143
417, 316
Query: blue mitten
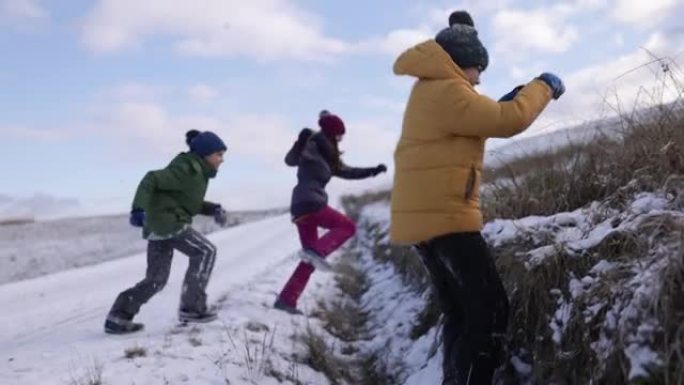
553, 81
137, 218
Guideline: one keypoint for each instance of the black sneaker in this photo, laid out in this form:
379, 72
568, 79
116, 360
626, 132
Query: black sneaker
281, 305
119, 325
198, 317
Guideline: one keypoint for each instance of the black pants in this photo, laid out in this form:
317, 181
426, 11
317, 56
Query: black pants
474, 303
202, 254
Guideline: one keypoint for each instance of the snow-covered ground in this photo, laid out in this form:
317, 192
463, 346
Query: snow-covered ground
32, 249
52, 325
622, 322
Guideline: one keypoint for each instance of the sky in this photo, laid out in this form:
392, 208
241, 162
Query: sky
93, 94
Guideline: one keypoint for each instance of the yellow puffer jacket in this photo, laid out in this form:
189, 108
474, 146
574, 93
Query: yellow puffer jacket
438, 160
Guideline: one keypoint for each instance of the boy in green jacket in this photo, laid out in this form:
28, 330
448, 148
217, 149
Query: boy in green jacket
164, 204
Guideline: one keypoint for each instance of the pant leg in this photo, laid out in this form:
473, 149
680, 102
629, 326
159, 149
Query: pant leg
202, 255
445, 290
308, 235
475, 306
159, 255
340, 230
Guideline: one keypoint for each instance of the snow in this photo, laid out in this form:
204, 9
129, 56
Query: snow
640, 357
52, 332
624, 308
647, 202
603, 267
560, 321
52, 327
32, 249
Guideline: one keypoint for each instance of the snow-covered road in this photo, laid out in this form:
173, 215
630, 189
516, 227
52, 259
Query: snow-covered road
51, 327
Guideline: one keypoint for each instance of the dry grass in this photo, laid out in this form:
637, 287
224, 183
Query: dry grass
643, 149
651, 152
321, 357
16, 221
92, 375
347, 322
535, 294
134, 352
353, 203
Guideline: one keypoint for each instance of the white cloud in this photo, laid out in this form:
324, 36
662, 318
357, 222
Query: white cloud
262, 137
203, 93
590, 5
519, 33
26, 16
149, 128
642, 13
371, 141
395, 42
22, 10
136, 91
386, 105
23, 132
265, 29
624, 83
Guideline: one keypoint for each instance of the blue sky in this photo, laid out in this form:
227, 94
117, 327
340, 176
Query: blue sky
95, 93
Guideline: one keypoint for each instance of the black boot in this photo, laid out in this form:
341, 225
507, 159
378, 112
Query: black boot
121, 325
205, 316
281, 305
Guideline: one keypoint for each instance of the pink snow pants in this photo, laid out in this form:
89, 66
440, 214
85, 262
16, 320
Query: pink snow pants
340, 229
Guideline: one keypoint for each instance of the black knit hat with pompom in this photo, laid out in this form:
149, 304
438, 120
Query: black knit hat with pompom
461, 42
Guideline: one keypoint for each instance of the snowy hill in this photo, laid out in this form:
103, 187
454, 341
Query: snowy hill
30, 249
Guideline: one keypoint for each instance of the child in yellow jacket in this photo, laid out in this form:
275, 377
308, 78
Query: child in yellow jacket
435, 198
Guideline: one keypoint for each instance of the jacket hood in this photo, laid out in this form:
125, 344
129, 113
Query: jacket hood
427, 60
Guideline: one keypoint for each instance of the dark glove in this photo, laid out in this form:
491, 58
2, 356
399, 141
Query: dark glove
379, 169
137, 218
553, 81
304, 134
220, 216
509, 96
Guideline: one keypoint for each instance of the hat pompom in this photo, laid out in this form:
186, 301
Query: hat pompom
461, 17
190, 135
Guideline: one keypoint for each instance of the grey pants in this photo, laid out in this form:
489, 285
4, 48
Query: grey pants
202, 254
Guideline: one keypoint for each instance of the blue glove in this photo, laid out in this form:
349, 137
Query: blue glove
137, 218
220, 216
509, 96
556, 84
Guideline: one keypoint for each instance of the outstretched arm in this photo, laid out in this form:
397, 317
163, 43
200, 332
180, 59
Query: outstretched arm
347, 172
209, 208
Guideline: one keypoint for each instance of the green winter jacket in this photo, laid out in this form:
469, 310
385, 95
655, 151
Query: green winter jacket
173, 195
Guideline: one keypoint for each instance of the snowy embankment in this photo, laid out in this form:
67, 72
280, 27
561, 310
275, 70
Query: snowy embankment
610, 263
52, 325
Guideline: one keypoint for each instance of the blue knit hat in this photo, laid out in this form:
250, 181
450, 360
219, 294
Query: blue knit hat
204, 143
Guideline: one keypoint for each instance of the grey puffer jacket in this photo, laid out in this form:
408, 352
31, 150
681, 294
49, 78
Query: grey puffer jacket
314, 157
